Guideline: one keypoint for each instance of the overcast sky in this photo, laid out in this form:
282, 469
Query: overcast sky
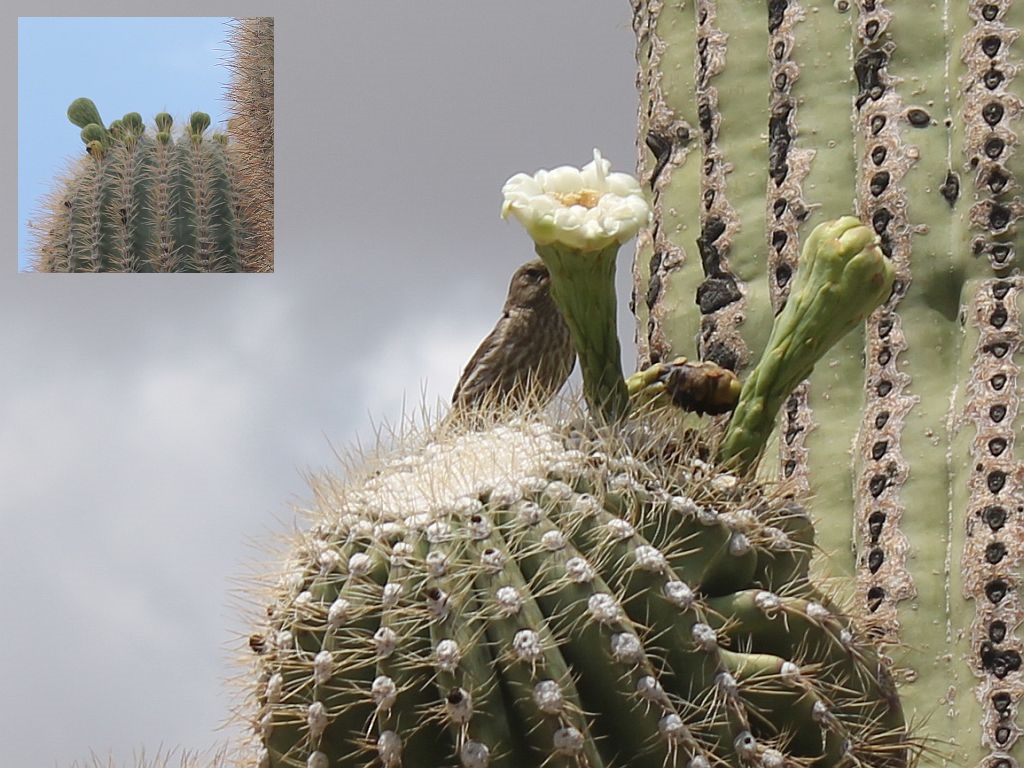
153, 427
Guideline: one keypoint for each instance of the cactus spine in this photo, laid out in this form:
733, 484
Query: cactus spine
908, 113
153, 202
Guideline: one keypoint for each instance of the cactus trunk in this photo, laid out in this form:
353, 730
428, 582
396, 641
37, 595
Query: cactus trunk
757, 120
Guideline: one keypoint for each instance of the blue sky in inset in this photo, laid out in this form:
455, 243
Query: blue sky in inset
146, 65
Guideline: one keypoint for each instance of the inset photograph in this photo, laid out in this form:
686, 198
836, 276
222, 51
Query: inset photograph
161, 159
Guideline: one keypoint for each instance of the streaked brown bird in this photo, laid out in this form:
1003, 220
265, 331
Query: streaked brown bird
529, 354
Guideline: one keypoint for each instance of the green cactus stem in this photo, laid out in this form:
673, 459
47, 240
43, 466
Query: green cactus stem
841, 278
756, 116
583, 287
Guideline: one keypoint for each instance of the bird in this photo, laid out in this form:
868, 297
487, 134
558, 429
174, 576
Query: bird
528, 355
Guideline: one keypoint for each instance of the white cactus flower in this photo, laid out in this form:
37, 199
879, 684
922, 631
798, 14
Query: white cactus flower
586, 208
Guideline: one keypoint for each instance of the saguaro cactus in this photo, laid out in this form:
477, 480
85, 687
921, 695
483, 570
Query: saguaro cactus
753, 116
166, 200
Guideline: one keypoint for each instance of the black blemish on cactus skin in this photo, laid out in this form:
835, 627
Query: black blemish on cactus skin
1001, 702
776, 13
990, 45
1002, 252
779, 140
999, 316
661, 148
866, 69
997, 631
998, 217
918, 117
950, 188
996, 446
783, 274
992, 113
997, 412
875, 597
877, 485
997, 180
875, 524
710, 257
876, 557
715, 293
994, 517
879, 182
885, 326
993, 79
995, 552
722, 355
994, 147
998, 381
871, 29
1000, 289
999, 663
995, 481
880, 220
989, 11
996, 590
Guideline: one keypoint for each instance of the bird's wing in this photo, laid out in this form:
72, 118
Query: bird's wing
478, 375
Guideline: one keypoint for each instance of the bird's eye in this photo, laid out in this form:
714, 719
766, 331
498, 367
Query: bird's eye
535, 275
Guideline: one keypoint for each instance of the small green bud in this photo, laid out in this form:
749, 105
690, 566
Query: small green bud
221, 138
95, 148
133, 121
163, 137
82, 112
164, 122
93, 132
200, 121
117, 129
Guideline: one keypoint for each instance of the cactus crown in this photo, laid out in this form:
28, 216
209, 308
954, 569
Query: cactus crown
141, 204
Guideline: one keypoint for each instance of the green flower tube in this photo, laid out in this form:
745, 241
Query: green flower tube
578, 218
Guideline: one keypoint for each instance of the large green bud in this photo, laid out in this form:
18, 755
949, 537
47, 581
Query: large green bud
533, 594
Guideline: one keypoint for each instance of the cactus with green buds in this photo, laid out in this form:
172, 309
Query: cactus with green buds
141, 201
754, 116
139, 204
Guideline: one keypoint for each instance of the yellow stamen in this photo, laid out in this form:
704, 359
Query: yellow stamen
588, 198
